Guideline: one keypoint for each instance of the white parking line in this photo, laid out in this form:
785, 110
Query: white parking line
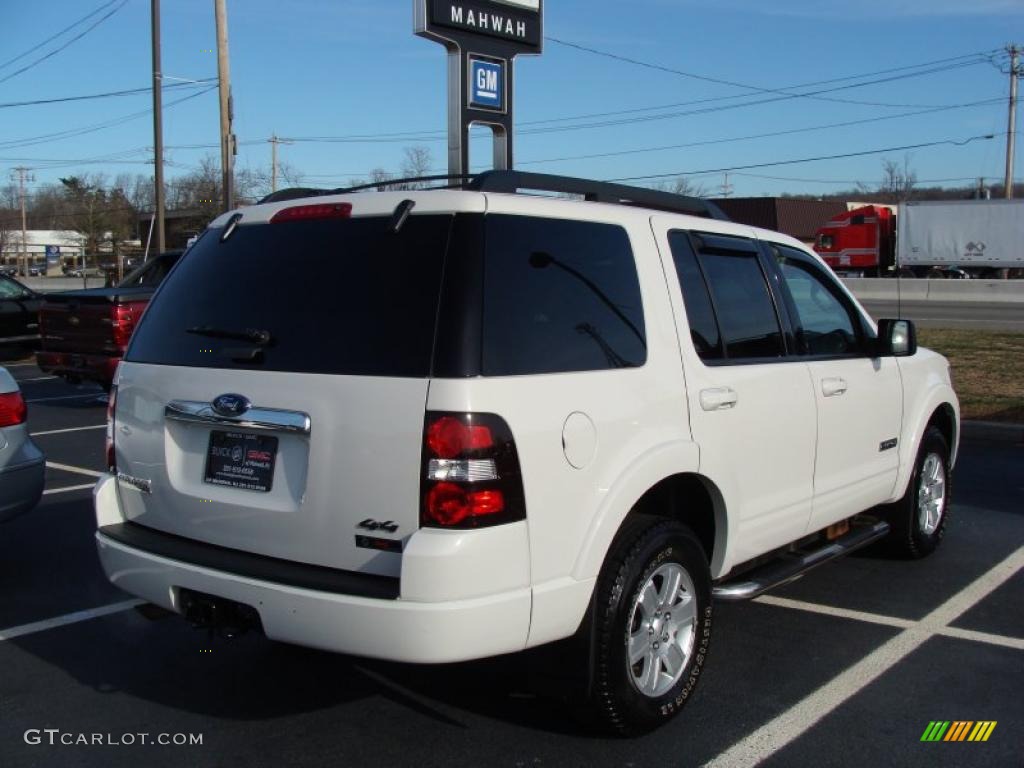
69, 618
16, 365
76, 470
891, 621
68, 488
782, 730
93, 395
64, 431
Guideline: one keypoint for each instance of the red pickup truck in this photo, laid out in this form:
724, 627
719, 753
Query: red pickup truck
84, 334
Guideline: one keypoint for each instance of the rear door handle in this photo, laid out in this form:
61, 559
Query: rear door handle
833, 387
718, 399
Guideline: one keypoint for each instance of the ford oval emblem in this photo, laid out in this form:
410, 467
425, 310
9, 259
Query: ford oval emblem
231, 405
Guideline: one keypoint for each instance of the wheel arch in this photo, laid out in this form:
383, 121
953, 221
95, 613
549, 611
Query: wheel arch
940, 409
666, 484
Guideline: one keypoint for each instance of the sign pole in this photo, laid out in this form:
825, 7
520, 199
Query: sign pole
482, 39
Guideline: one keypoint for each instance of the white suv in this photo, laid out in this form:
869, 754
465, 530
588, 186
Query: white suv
438, 425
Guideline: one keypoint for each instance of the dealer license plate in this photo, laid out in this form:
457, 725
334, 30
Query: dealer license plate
240, 460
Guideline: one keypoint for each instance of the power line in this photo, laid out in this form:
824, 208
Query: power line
740, 96
433, 135
71, 133
787, 92
54, 37
74, 39
772, 134
108, 94
708, 142
804, 159
852, 181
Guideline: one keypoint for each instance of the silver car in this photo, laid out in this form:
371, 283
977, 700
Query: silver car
22, 464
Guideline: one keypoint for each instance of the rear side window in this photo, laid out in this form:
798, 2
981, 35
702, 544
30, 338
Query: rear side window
729, 307
559, 296
746, 313
334, 296
699, 312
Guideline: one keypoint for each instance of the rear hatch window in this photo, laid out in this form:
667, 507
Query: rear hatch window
324, 296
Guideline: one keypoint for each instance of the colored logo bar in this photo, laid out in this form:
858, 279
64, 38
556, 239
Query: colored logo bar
958, 730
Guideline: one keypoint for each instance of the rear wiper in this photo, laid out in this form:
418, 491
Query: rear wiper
255, 335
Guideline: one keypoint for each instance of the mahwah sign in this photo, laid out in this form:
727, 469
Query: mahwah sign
519, 22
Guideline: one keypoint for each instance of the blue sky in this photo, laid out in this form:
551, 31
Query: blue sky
352, 68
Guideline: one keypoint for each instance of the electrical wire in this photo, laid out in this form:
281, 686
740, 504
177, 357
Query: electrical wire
37, 46
772, 134
788, 92
71, 133
108, 94
64, 46
863, 153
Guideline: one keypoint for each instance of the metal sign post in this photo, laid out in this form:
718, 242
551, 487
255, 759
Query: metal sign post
482, 38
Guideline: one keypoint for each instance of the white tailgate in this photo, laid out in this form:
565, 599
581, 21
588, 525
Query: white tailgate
359, 460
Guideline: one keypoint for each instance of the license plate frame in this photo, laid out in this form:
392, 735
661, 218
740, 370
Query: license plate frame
241, 460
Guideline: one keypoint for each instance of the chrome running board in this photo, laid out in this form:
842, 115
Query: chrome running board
793, 565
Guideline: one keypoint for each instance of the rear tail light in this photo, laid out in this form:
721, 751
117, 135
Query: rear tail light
12, 409
111, 408
471, 474
124, 318
311, 212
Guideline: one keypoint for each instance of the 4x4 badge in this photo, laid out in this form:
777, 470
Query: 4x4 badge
231, 405
388, 526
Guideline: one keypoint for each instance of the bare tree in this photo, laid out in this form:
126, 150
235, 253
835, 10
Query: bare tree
10, 215
380, 177
681, 185
898, 182
416, 164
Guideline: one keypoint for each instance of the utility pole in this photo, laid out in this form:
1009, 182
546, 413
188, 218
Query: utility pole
158, 132
726, 186
23, 176
274, 141
1011, 130
227, 138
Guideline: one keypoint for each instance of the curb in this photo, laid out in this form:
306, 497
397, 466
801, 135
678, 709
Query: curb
992, 430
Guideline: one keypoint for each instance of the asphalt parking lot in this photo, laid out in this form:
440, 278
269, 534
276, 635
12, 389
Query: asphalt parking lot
846, 667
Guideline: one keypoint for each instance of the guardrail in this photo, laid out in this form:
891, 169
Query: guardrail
912, 289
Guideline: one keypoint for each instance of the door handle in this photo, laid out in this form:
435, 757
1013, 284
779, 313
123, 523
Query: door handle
718, 399
833, 387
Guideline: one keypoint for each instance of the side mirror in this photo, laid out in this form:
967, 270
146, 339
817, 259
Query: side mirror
896, 338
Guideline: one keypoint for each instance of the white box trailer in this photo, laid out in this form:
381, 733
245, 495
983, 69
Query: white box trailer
970, 234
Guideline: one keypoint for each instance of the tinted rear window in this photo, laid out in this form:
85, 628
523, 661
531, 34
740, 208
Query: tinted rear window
335, 296
559, 296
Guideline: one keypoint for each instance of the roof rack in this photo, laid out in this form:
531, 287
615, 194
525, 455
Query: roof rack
512, 182
292, 193
595, 191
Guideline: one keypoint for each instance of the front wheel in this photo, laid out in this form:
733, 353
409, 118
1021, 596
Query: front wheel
652, 625
918, 520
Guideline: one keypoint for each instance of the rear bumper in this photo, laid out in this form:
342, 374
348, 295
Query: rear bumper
404, 628
99, 368
21, 486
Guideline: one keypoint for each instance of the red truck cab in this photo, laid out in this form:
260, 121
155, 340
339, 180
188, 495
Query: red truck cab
84, 334
861, 241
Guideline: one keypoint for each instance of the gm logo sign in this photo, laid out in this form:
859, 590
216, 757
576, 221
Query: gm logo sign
486, 84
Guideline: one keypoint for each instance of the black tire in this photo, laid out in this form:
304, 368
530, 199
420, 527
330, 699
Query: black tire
910, 536
649, 549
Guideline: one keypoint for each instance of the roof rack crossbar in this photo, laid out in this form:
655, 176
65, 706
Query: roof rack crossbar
594, 191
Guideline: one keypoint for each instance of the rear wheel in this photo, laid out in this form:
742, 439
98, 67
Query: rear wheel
652, 625
918, 520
